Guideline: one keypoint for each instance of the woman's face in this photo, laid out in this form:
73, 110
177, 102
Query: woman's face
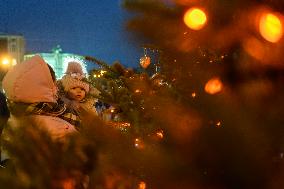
76, 93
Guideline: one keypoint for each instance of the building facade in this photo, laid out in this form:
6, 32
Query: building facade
12, 49
59, 61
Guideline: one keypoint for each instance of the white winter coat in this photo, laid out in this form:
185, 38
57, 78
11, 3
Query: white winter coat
31, 82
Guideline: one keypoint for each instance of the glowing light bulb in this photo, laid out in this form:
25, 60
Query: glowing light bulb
142, 185
5, 61
218, 124
138, 91
14, 62
138, 143
213, 86
160, 134
270, 27
195, 18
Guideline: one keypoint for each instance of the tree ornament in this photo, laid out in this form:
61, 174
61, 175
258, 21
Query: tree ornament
145, 60
158, 80
213, 86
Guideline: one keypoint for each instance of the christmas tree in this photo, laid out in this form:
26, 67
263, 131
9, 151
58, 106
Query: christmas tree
223, 59
204, 113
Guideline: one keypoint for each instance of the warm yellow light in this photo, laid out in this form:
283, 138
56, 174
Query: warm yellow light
195, 18
193, 95
14, 62
137, 91
145, 61
102, 72
218, 124
160, 134
213, 86
138, 143
270, 27
5, 61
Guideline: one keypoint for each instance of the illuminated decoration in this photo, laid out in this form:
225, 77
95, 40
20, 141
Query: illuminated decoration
158, 80
13, 46
193, 95
160, 134
5, 61
122, 126
59, 61
137, 91
270, 27
142, 185
100, 73
138, 143
14, 62
195, 18
218, 124
145, 60
213, 86
73, 58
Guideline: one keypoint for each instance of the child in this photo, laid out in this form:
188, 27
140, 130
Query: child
75, 90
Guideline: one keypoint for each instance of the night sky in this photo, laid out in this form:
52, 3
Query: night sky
84, 27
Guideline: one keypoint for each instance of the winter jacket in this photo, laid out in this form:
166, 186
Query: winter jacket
30, 82
4, 111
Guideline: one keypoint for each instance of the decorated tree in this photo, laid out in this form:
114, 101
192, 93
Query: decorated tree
218, 100
204, 110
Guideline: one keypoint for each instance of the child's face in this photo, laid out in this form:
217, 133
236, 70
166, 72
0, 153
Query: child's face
76, 93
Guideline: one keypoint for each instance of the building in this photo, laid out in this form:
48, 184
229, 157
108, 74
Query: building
12, 49
59, 61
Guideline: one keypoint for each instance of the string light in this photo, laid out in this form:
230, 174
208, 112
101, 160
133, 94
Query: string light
160, 134
270, 27
195, 18
138, 143
213, 86
218, 124
137, 91
142, 185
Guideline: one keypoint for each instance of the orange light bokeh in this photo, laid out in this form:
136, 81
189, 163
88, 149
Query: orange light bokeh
270, 27
142, 185
213, 86
145, 61
139, 144
160, 134
195, 18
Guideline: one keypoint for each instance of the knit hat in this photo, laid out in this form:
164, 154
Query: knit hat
74, 77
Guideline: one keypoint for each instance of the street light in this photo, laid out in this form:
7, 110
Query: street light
7, 62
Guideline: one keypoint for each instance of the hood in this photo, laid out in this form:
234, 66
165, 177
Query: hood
30, 82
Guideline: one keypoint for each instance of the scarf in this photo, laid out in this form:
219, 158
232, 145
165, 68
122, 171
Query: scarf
57, 109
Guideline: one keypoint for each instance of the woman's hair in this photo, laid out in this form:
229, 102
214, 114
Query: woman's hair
52, 72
